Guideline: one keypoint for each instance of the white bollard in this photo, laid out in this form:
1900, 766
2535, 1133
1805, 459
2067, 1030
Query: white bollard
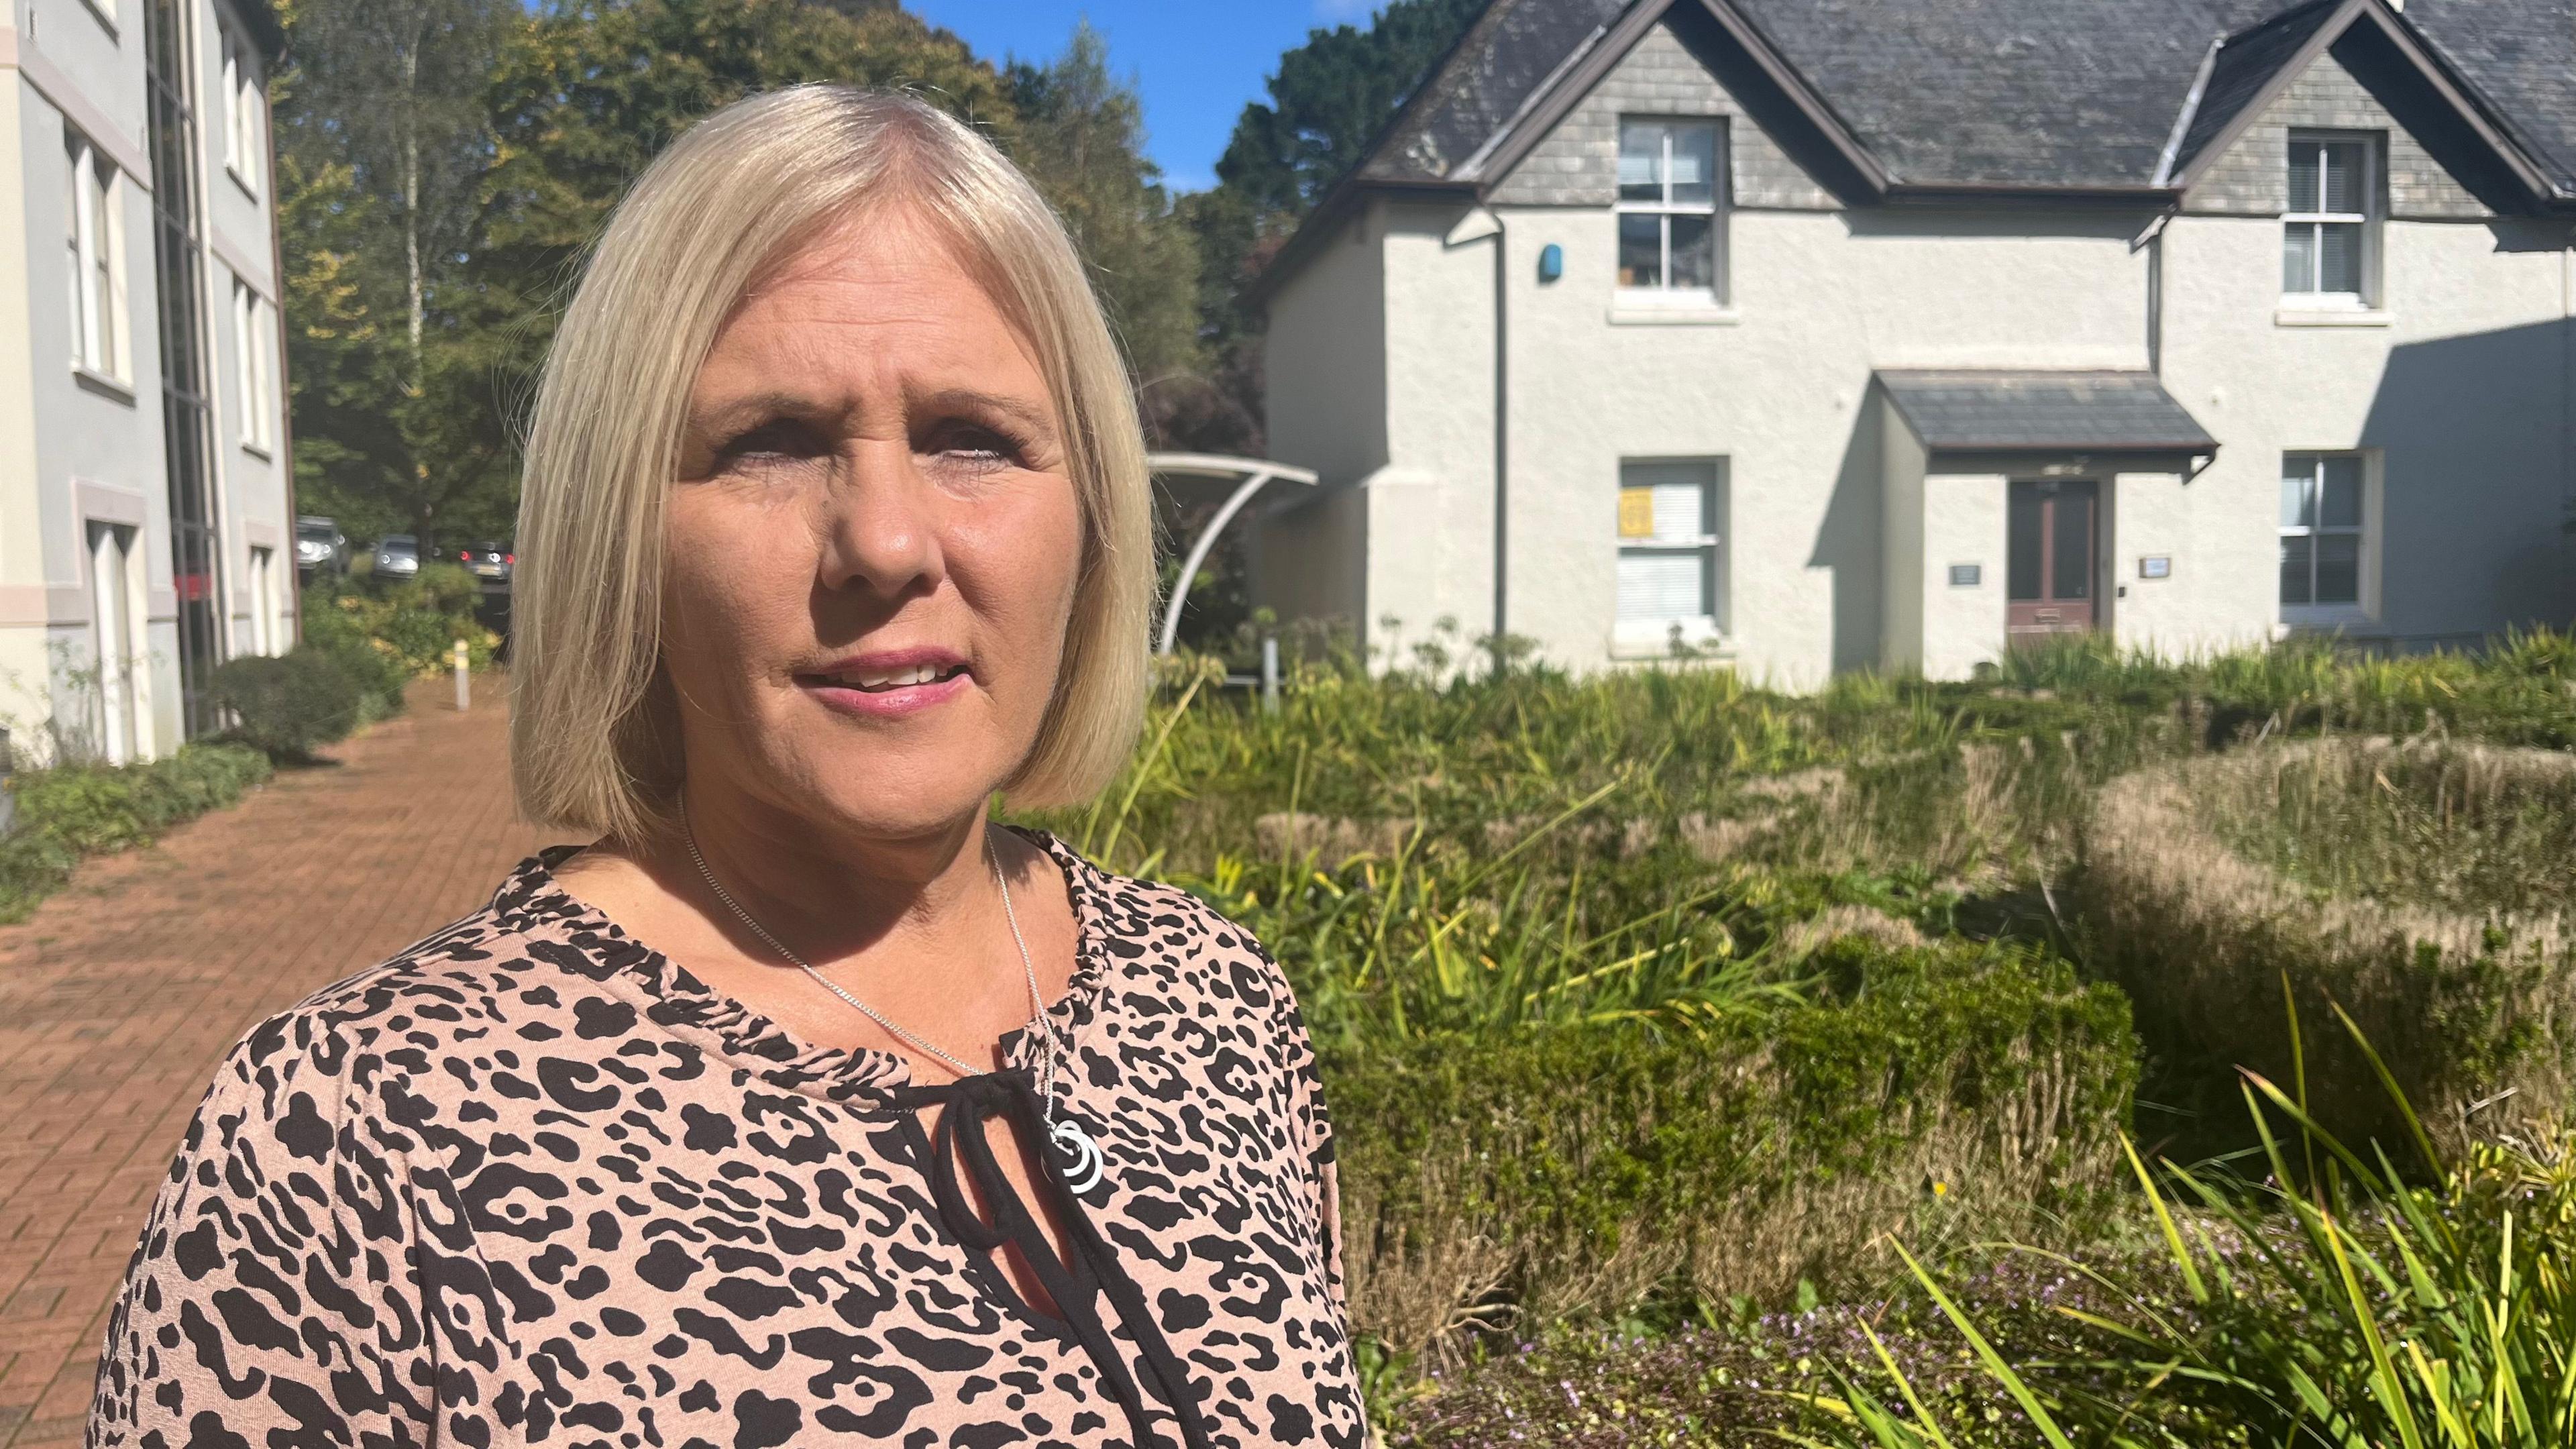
464, 688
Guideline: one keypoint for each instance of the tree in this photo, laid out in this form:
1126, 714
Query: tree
383, 148
599, 87
1330, 99
1082, 140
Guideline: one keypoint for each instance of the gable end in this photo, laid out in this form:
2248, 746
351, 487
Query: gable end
2250, 178
1577, 162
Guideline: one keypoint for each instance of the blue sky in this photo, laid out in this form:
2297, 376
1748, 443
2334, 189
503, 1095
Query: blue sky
1195, 62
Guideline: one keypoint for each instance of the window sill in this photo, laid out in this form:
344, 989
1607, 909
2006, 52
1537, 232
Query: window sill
102, 384
2298, 316
106, 15
2296, 619
239, 180
1651, 314
1632, 643
258, 450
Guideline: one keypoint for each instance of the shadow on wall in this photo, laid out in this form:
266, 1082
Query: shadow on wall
1848, 540
2478, 448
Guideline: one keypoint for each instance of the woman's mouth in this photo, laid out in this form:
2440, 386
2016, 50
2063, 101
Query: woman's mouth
887, 687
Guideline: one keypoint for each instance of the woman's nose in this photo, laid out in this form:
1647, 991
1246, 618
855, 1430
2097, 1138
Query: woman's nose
882, 535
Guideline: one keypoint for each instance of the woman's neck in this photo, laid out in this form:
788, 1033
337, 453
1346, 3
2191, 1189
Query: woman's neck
825, 892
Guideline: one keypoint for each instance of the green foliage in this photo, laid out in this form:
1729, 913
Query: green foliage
1081, 136
285, 705
1329, 99
2419, 885
73, 811
2339, 1304
1579, 1170
384, 149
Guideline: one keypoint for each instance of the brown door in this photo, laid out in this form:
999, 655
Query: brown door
2053, 573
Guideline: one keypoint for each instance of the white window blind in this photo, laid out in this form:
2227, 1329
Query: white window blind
1670, 543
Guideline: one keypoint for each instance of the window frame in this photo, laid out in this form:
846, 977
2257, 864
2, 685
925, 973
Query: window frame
95, 250
1716, 208
243, 151
253, 390
2363, 607
2368, 219
1654, 637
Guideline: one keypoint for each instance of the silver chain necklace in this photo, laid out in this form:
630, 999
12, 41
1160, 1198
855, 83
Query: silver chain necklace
1068, 1135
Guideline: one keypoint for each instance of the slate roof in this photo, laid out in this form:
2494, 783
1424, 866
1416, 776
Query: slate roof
1977, 93
2242, 68
2020, 410
2522, 55
1504, 57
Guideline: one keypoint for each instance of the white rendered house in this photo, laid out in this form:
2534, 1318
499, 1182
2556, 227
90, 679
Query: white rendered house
146, 517
1822, 335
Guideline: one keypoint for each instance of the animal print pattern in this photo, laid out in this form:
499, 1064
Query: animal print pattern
531, 1182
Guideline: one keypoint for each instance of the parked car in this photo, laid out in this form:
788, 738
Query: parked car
320, 546
491, 562
398, 555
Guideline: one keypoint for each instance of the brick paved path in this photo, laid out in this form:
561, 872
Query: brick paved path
121, 993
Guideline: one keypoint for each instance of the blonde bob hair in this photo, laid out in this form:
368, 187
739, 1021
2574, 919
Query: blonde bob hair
594, 726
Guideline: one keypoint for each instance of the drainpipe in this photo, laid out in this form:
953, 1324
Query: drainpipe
1502, 439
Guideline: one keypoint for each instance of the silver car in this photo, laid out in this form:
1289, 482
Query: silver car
398, 554
320, 546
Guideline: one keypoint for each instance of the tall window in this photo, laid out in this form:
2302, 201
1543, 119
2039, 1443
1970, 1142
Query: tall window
1672, 567
1671, 190
253, 368
114, 587
2326, 235
2323, 533
94, 249
245, 139
267, 628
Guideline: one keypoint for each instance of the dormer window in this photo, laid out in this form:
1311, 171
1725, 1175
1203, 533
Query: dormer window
2328, 235
1672, 240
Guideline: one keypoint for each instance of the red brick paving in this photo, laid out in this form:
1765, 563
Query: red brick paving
120, 994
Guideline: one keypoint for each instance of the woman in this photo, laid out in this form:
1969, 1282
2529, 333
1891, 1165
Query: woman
806, 1101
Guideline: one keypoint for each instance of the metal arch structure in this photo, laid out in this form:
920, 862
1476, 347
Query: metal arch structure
1249, 475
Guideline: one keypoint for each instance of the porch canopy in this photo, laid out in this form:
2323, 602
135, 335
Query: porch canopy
2043, 411
1211, 478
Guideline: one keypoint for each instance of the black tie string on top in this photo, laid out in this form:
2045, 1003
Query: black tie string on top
1095, 1272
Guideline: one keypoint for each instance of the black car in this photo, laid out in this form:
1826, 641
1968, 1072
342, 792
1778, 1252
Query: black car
320, 546
491, 562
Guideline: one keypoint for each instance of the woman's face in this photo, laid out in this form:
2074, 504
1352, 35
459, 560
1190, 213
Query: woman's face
871, 549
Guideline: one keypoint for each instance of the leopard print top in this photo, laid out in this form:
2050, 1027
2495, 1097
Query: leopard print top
532, 1182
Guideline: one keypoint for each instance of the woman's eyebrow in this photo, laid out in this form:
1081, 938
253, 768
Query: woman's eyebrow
759, 406
967, 399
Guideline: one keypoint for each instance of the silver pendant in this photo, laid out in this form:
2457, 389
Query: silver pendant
1084, 1173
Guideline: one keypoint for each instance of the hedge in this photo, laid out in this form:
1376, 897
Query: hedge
1570, 1173
72, 811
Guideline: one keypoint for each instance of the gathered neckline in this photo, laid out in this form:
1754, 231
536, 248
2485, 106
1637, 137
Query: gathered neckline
532, 902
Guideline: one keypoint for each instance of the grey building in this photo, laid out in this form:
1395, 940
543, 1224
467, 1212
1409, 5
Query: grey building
146, 520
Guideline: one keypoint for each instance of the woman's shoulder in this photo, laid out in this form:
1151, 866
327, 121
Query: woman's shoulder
1176, 934
510, 962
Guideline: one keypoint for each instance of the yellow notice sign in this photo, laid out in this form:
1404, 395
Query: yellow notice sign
1636, 513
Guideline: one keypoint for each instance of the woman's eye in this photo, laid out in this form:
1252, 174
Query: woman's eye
978, 446
773, 441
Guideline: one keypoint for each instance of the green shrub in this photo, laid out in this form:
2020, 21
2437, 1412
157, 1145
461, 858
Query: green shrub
288, 704
72, 811
386, 637
2418, 887
1569, 1173
2333, 1303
